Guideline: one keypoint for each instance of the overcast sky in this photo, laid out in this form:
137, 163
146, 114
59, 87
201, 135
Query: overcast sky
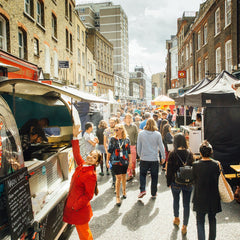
150, 24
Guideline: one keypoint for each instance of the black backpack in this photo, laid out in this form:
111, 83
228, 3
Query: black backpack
184, 175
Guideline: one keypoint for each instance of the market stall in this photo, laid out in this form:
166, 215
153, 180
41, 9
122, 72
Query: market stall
163, 102
220, 118
39, 184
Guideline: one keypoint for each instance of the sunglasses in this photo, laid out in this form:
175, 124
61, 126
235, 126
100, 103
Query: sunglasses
116, 130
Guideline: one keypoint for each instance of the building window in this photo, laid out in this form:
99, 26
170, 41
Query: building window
82, 10
79, 81
199, 71
83, 59
79, 56
71, 43
191, 75
190, 48
205, 32
199, 40
78, 32
83, 37
217, 21
3, 35
218, 60
84, 83
188, 80
66, 8
40, 13
228, 12
67, 41
206, 66
82, 18
28, 7
187, 52
22, 44
228, 56
36, 46
70, 13
54, 26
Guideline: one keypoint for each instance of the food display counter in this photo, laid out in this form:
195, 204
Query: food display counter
193, 136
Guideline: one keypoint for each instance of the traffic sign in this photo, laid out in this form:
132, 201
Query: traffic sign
94, 84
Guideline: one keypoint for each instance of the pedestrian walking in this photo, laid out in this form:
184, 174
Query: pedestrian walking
119, 156
179, 156
149, 143
77, 209
108, 133
206, 198
90, 140
132, 133
147, 115
101, 127
167, 142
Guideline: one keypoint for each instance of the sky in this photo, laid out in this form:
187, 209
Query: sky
150, 24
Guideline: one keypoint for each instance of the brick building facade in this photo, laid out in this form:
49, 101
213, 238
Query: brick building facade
102, 51
209, 42
44, 33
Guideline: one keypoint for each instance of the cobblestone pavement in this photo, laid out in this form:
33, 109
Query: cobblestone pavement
150, 219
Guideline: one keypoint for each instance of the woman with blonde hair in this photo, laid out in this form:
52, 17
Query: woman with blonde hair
119, 156
148, 144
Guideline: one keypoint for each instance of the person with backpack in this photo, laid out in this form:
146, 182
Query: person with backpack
177, 160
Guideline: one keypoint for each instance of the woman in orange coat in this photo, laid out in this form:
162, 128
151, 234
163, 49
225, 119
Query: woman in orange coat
78, 210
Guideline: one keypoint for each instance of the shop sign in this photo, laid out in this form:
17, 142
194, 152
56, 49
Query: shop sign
63, 64
182, 74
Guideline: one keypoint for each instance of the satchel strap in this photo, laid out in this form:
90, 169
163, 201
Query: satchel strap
184, 164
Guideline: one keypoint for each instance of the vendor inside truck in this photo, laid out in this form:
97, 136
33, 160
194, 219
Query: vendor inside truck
36, 135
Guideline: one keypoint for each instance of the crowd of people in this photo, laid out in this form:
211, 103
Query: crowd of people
145, 135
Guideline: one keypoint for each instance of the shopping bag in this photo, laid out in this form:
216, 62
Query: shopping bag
225, 190
170, 147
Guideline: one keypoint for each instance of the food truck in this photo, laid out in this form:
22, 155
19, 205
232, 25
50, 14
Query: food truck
33, 191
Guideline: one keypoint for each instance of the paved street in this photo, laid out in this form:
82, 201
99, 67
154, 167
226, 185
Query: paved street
149, 219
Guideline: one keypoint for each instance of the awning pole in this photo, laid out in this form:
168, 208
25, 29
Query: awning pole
14, 100
185, 117
202, 128
72, 109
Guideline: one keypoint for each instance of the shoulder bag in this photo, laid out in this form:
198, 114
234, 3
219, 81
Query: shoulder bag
225, 190
184, 175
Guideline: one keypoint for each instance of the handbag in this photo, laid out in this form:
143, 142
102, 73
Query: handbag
184, 175
225, 190
170, 147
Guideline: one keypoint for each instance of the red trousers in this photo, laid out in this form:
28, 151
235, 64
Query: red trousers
84, 232
134, 155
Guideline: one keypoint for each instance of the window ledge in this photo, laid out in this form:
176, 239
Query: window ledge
36, 55
29, 16
227, 25
41, 26
54, 38
55, 2
217, 34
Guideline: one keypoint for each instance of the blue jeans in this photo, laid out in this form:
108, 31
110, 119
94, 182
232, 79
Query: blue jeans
201, 228
186, 192
153, 166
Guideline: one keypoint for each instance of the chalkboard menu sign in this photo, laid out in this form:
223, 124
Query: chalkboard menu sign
19, 205
52, 223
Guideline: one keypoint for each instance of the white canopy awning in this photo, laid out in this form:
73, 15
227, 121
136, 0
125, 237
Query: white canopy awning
29, 87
